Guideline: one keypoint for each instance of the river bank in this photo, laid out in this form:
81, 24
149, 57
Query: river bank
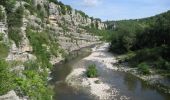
108, 85
156, 80
95, 86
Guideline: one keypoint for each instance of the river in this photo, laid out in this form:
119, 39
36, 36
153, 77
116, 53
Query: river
127, 86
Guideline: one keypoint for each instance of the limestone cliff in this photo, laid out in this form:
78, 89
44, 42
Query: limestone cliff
43, 31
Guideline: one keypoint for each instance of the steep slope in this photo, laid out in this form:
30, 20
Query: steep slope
34, 35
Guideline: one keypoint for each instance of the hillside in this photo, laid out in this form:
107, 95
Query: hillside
34, 35
144, 43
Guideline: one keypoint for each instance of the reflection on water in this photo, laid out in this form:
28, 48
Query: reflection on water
130, 82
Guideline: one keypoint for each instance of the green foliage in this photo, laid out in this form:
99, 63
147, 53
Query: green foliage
106, 34
34, 84
15, 18
82, 13
8, 4
4, 49
147, 54
39, 42
34, 87
163, 64
143, 68
31, 65
14, 63
14, 34
54, 1
69, 8
5, 78
32, 9
122, 41
148, 38
92, 71
14, 24
39, 11
44, 45
1, 14
1, 36
63, 8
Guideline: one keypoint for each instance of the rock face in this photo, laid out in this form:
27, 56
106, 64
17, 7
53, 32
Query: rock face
10, 96
74, 37
65, 25
3, 25
21, 53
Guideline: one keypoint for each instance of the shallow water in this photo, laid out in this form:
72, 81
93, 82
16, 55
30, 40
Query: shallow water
60, 72
127, 84
131, 86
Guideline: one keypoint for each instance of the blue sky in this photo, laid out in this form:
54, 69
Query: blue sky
120, 9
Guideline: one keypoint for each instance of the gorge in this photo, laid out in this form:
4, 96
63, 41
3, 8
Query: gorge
46, 48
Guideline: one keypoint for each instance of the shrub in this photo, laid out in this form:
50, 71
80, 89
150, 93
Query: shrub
143, 68
1, 36
92, 71
34, 86
1, 15
31, 65
3, 50
163, 64
5, 78
37, 41
14, 34
14, 24
146, 55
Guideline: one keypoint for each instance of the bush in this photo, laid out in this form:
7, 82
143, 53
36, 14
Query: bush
146, 55
37, 41
143, 68
14, 24
31, 65
5, 78
1, 15
163, 64
3, 50
1, 36
92, 71
14, 34
34, 84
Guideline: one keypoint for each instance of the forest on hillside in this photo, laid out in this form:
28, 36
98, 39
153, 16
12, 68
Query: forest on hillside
144, 41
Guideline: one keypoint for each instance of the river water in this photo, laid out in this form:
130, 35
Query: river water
127, 84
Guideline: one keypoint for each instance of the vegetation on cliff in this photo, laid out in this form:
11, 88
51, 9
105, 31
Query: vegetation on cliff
6, 83
31, 80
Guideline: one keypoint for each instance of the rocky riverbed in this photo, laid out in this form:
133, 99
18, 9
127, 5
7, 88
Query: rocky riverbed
114, 82
96, 86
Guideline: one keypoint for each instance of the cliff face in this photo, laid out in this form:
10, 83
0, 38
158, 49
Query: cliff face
42, 31
66, 28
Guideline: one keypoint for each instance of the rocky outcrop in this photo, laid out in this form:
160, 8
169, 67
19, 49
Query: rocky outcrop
11, 95
73, 17
74, 37
21, 53
3, 25
67, 30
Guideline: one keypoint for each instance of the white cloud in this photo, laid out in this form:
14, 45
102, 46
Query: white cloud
91, 3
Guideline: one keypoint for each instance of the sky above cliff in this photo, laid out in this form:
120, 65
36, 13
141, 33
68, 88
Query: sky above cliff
120, 9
